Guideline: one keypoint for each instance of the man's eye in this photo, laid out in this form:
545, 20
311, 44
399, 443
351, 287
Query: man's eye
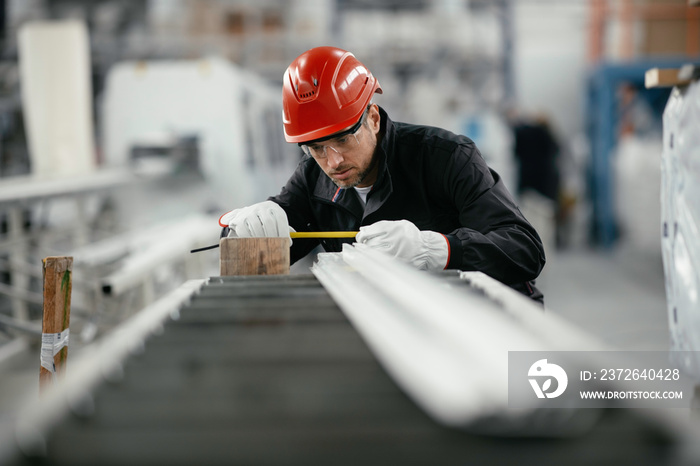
342, 140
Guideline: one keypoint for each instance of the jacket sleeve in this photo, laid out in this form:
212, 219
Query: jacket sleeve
494, 237
295, 201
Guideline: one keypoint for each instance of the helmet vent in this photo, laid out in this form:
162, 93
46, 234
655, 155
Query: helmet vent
306, 95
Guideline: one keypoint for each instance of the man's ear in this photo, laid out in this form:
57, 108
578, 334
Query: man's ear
374, 119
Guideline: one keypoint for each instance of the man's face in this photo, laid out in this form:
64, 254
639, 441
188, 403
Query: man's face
349, 160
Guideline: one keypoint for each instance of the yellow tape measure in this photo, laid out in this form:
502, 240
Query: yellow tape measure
301, 234
323, 234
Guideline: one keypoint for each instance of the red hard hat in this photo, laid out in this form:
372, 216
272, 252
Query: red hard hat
325, 90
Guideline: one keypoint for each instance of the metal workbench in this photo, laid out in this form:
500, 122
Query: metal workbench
267, 370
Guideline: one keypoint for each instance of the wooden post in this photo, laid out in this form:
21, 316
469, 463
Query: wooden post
254, 256
54, 339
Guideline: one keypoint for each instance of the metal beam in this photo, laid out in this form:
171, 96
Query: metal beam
93, 365
446, 346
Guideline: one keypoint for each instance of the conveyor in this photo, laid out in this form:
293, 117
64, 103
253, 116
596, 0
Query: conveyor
268, 370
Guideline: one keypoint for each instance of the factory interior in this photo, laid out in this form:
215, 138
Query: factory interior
128, 127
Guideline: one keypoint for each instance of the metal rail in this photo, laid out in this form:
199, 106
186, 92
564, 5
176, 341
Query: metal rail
95, 364
446, 347
22, 190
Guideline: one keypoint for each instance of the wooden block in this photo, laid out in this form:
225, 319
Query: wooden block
254, 256
657, 77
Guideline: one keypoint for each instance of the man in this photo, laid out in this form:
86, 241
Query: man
421, 194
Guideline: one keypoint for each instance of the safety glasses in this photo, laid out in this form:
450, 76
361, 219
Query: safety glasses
340, 143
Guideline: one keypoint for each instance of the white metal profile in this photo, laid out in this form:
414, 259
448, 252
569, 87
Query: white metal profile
445, 346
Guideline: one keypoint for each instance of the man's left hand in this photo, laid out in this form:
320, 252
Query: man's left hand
425, 250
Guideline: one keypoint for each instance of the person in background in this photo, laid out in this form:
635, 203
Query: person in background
418, 193
537, 151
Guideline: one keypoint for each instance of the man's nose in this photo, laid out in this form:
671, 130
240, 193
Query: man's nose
333, 157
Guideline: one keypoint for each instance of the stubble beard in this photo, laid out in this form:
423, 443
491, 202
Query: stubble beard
361, 176
357, 179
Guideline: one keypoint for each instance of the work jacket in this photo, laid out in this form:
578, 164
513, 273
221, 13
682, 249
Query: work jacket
437, 180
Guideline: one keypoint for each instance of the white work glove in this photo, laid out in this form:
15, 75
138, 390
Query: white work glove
425, 250
264, 219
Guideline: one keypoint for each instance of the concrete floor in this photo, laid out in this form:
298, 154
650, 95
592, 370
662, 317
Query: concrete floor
618, 296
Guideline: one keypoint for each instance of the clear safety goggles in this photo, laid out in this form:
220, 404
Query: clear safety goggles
340, 143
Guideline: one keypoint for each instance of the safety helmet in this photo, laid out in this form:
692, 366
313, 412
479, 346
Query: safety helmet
325, 90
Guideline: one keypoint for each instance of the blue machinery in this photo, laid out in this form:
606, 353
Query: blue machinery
601, 115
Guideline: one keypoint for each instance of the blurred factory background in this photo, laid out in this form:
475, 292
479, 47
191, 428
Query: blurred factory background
128, 126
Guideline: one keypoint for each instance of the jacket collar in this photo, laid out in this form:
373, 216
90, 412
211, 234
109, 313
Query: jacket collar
383, 187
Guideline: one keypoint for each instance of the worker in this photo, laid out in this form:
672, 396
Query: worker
420, 194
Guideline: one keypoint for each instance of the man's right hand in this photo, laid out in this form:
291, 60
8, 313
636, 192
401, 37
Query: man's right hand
264, 219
